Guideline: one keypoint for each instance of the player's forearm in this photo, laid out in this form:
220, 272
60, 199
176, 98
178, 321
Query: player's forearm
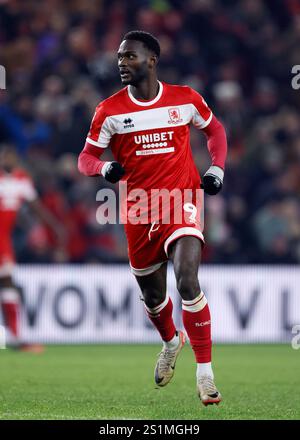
216, 142
89, 163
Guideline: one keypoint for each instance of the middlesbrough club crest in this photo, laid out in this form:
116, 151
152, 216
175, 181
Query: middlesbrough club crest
174, 115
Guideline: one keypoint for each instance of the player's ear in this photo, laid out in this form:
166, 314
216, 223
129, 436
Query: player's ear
153, 60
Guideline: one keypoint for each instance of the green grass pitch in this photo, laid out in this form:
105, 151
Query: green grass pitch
116, 382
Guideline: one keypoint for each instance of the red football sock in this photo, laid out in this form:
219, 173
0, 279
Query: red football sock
10, 309
161, 317
196, 320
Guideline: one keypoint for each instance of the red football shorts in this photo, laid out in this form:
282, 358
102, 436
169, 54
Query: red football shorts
148, 244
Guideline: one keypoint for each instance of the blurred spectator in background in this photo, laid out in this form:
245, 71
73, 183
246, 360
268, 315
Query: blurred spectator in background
60, 62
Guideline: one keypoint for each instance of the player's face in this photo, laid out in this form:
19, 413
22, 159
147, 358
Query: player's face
8, 159
134, 62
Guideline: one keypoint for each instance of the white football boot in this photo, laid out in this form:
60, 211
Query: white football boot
165, 366
207, 390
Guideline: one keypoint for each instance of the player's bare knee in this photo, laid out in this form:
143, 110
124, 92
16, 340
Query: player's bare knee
6, 282
188, 286
153, 297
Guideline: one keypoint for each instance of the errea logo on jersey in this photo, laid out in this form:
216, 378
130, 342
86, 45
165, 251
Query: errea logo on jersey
128, 123
174, 114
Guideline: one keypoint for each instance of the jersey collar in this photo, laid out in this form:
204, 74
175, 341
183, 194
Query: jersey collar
146, 103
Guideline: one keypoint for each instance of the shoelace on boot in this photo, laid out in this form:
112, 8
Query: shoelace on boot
165, 359
207, 384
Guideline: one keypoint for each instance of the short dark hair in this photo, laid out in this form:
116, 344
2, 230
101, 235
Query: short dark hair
145, 37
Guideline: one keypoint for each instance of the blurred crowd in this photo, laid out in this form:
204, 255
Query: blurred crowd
60, 60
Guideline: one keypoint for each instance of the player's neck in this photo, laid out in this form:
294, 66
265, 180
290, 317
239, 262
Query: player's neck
146, 90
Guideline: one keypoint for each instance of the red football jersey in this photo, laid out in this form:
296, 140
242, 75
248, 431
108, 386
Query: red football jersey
15, 188
151, 139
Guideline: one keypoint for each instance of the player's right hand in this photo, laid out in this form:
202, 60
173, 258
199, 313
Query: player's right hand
112, 171
212, 180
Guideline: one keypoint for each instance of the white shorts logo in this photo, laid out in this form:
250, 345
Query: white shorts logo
189, 207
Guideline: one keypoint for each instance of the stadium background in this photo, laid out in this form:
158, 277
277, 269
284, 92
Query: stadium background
60, 61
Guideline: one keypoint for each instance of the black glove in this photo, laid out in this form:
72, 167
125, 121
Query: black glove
112, 171
212, 180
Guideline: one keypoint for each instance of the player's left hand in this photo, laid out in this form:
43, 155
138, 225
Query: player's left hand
212, 181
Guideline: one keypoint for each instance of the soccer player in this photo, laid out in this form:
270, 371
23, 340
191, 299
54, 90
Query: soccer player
16, 187
146, 125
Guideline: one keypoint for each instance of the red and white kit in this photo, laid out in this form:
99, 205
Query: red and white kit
151, 140
15, 188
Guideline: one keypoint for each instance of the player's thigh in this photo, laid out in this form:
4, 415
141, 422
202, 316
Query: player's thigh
185, 253
154, 286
